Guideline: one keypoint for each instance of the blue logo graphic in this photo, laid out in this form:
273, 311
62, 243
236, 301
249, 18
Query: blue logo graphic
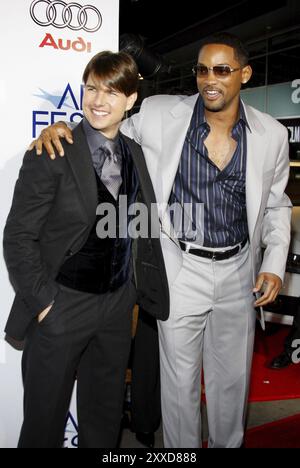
62, 106
71, 433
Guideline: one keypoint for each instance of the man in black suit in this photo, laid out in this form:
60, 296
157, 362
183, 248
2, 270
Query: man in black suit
74, 284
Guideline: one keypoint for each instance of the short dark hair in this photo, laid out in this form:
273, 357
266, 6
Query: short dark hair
240, 51
116, 70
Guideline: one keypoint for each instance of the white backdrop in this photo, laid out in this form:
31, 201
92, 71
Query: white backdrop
44, 47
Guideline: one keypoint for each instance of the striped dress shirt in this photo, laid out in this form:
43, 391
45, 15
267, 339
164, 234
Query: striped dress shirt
210, 204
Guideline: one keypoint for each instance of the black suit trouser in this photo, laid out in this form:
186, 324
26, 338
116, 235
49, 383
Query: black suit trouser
84, 336
145, 385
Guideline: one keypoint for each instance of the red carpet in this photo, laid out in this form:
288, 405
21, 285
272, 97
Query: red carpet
267, 384
284, 433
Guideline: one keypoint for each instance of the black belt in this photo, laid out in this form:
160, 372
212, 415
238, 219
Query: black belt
213, 254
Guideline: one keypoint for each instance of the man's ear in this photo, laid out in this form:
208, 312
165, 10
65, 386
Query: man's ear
130, 101
246, 74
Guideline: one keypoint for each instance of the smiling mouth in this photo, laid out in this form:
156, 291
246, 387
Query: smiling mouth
212, 94
99, 113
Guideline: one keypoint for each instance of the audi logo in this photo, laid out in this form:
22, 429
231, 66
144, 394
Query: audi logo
65, 15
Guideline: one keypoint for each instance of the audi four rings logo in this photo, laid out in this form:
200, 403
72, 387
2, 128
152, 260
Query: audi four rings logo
66, 15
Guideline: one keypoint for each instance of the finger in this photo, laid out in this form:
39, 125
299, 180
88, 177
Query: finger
49, 148
259, 283
58, 146
264, 300
39, 146
32, 145
272, 297
69, 137
265, 297
259, 302
268, 297
274, 294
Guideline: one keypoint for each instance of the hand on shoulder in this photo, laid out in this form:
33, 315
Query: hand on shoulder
50, 140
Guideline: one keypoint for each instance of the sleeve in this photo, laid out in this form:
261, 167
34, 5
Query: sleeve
276, 226
33, 198
132, 127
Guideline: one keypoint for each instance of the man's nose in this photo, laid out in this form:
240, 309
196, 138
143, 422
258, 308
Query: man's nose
211, 77
100, 98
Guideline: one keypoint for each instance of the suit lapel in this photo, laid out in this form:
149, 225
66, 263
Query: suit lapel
175, 126
80, 160
256, 154
142, 171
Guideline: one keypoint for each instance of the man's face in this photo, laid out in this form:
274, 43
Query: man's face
220, 93
104, 107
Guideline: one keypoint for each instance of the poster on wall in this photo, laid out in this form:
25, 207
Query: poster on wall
293, 127
45, 45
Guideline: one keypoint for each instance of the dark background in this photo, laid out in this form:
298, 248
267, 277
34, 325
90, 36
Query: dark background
173, 30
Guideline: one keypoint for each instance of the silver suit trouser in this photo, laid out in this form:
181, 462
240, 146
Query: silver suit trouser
211, 324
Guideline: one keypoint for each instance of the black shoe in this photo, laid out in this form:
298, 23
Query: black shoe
146, 438
281, 361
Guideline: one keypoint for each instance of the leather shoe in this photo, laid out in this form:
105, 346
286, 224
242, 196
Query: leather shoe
146, 438
281, 361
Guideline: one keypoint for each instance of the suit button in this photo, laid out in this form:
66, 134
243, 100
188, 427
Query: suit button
69, 253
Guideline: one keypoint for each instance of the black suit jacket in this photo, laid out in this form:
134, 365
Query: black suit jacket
52, 214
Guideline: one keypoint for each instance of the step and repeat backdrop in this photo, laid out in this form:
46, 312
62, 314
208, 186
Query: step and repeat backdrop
44, 47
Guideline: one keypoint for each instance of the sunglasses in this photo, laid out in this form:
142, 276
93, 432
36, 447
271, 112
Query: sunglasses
221, 71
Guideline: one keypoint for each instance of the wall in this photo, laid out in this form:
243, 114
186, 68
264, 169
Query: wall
280, 100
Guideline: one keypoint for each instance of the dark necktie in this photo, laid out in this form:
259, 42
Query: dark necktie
111, 169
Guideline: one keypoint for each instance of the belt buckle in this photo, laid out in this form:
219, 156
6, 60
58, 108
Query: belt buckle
185, 247
214, 257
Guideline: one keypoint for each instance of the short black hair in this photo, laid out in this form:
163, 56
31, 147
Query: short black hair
240, 50
116, 70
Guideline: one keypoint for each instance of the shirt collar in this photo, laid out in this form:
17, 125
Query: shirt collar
95, 138
243, 117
